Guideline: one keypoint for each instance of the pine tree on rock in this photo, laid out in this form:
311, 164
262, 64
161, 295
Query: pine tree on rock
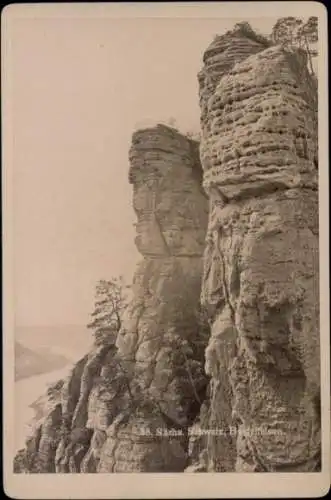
294, 32
110, 303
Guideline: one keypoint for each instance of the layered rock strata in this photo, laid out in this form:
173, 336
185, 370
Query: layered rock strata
260, 285
161, 343
127, 408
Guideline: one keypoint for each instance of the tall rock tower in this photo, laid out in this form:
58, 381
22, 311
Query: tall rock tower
261, 275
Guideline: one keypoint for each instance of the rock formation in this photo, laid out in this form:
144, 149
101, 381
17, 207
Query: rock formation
128, 408
160, 342
260, 285
242, 392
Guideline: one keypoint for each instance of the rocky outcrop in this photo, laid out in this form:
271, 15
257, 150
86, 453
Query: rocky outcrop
260, 285
232, 384
128, 407
44, 434
161, 344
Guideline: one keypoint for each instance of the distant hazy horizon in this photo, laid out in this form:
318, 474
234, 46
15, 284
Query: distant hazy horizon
80, 87
71, 341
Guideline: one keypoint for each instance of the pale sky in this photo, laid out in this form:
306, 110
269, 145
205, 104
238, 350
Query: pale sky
80, 87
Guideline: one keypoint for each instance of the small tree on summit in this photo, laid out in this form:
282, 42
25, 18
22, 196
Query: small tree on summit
110, 302
308, 38
284, 32
292, 31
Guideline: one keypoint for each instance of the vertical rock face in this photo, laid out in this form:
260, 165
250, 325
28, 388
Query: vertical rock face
128, 408
260, 285
161, 344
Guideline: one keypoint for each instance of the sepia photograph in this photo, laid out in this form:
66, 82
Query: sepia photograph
166, 284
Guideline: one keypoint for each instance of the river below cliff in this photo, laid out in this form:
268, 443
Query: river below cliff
27, 391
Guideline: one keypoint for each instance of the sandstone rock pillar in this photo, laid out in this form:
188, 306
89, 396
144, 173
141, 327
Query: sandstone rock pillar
160, 345
260, 286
